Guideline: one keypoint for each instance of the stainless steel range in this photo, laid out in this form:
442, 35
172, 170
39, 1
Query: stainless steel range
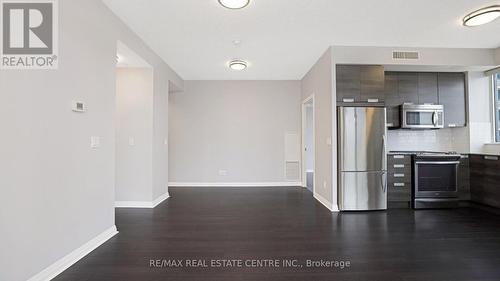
435, 180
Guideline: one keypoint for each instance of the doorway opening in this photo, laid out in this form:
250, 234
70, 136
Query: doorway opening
308, 143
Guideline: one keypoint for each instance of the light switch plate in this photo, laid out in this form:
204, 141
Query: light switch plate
95, 142
222, 172
131, 141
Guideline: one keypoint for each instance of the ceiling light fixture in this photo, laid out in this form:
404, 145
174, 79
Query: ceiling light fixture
482, 16
234, 4
238, 65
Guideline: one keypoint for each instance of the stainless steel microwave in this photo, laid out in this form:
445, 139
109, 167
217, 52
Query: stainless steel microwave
422, 116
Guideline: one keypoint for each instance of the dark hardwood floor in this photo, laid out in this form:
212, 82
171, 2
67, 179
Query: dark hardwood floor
287, 223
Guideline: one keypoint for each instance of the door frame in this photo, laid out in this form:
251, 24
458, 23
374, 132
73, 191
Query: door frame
303, 141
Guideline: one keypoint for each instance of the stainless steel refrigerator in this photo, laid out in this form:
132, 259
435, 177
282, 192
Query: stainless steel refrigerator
362, 158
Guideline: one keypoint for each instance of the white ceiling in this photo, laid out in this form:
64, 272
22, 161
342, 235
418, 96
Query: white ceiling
283, 38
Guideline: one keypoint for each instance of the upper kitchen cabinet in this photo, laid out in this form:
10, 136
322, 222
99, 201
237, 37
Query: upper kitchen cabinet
360, 83
372, 83
348, 83
392, 99
451, 93
428, 88
408, 87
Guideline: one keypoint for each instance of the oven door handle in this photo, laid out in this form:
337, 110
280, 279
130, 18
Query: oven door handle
438, 162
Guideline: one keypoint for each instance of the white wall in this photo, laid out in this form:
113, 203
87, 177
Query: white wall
53, 184
497, 56
237, 126
480, 111
134, 122
319, 82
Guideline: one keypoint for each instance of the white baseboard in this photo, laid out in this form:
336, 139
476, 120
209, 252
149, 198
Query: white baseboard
235, 184
142, 204
160, 199
326, 203
64, 263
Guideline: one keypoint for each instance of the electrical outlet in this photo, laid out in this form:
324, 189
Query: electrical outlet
131, 141
222, 172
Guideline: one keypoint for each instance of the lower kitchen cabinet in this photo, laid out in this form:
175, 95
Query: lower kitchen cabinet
399, 178
464, 179
485, 179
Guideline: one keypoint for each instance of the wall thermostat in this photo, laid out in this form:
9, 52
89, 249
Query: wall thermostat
78, 106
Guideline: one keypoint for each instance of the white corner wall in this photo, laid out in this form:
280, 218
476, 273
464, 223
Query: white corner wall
134, 134
319, 82
53, 184
237, 127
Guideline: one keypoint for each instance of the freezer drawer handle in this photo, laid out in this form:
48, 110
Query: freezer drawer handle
383, 182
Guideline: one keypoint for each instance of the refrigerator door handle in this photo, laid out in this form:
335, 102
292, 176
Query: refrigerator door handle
383, 181
384, 152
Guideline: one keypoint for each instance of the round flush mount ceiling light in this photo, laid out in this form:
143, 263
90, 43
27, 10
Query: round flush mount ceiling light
482, 16
238, 65
234, 4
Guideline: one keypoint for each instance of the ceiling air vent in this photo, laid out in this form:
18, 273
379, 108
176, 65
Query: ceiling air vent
398, 55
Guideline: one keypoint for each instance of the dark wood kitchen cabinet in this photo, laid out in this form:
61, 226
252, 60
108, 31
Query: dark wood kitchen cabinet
428, 88
408, 87
392, 99
447, 89
348, 82
451, 92
372, 83
485, 179
360, 83
399, 175
464, 179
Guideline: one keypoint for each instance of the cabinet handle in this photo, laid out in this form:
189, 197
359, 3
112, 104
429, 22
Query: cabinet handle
390, 124
399, 157
348, 100
372, 100
399, 175
493, 158
399, 166
399, 184
452, 125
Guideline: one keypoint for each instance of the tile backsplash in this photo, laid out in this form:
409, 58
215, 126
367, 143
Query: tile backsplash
425, 140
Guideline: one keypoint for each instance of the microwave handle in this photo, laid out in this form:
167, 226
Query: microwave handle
435, 118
